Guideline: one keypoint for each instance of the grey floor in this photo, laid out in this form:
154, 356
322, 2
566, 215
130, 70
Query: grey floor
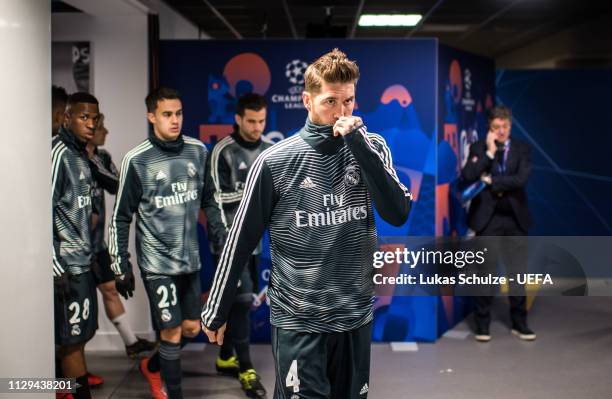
572, 358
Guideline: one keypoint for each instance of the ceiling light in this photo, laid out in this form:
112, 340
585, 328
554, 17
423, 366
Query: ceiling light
389, 19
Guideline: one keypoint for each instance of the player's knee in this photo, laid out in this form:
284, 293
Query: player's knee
67, 350
191, 328
172, 334
108, 291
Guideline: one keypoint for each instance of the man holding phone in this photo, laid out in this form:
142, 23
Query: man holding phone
501, 210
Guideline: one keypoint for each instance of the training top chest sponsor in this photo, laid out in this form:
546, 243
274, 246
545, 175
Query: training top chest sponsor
180, 189
180, 195
334, 213
84, 200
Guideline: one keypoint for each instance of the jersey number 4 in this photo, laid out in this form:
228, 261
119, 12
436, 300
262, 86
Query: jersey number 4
292, 379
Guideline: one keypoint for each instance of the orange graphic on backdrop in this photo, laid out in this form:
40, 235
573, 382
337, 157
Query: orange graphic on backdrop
456, 82
207, 132
450, 135
396, 92
442, 210
249, 67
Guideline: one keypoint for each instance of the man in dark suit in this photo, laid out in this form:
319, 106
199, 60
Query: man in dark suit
501, 210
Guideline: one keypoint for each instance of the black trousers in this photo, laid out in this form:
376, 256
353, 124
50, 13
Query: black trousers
513, 254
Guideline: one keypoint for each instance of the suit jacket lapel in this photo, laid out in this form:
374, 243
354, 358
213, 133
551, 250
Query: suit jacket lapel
510, 162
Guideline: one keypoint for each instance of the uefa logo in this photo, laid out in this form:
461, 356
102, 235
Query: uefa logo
294, 71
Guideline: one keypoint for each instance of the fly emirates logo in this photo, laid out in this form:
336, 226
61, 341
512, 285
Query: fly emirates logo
180, 196
331, 216
84, 200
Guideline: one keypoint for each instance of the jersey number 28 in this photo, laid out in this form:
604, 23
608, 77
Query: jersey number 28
74, 307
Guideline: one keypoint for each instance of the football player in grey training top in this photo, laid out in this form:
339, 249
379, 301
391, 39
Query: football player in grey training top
162, 180
231, 159
106, 178
76, 307
315, 191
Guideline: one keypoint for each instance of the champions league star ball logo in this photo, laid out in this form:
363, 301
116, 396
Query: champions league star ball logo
292, 99
352, 178
191, 169
467, 101
294, 71
467, 80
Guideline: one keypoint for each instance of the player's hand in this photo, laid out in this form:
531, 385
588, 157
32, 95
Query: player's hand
346, 124
491, 145
61, 285
486, 178
94, 220
125, 284
215, 335
90, 149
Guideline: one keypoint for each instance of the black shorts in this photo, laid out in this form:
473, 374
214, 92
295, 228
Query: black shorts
101, 267
76, 316
322, 365
249, 279
173, 298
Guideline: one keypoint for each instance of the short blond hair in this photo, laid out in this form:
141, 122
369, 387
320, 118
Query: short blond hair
333, 67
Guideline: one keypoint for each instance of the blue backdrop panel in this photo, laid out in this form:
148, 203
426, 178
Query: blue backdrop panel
562, 114
465, 92
396, 96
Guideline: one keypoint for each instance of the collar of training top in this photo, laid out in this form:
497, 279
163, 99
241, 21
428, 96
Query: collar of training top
70, 140
174, 146
321, 137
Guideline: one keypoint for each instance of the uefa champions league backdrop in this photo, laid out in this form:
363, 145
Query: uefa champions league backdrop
465, 93
396, 97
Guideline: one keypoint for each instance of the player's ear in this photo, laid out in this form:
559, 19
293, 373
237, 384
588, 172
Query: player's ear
307, 100
151, 117
237, 119
66, 118
58, 116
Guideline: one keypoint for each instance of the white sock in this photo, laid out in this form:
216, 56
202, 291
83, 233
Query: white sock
124, 329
